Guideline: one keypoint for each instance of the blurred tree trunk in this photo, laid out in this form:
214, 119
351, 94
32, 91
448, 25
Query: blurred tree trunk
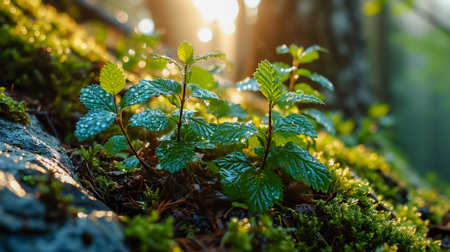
333, 24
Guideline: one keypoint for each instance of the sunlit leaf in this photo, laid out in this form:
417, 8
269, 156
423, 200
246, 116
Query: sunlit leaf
248, 84
301, 165
322, 80
268, 80
185, 52
165, 87
217, 54
299, 96
95, 97
197, 127
311, 53
203, 78
112, 78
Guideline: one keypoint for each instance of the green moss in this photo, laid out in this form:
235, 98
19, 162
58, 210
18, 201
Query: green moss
146, 234
12, 110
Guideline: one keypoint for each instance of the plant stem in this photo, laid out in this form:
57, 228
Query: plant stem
269, 137
182, 101
294, 76
124, 132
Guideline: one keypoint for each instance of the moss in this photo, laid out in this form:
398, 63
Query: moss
12, 110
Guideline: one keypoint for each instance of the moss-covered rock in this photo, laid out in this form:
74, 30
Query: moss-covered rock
12, 110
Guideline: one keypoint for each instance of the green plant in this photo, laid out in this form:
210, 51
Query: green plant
90, 156
261, 185
12, 110
150, 235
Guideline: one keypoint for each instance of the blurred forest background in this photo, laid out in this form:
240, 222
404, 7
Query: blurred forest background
380, 51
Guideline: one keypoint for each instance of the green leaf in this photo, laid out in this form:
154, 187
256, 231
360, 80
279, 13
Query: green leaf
221, 108
230, 169
283, 70
95, 97
216, 54
248, 84
299, 96
186, 113
201, 93
231, 133
166, 87
153, 120
130, 163
174, 156
205, 145
301, 165
112, 78
322, 80
295, 51
321, 119
203, 78
261, 189
268, 80
311, 53
165, 59
94, 122
197, 127
282, 49
139, 93
115, 145
185, 52
293, 123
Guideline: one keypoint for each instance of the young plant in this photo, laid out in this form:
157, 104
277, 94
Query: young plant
104, 110
260, 185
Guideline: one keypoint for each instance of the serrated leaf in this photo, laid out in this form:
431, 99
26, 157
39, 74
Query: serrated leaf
139, 93
261, 189
231, 133
94, 122
186, 113
268, 80
299, 96
95, 97
165, 87
112, 78
201, 93
197, 127
321, 119
130, 163
203, 78
165, 59
205, 56
282, 49
301, 165
115, 144
221, 108
311, 53
293, 123
174, 156
230, 169
248, 84
185, 52
153, 120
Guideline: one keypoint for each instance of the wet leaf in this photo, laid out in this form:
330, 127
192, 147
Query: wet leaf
139, 93
230, 169
248, 84
268, 80
321, 119
95, 97
185, 52
299, 96
231, 133
293, 123
261, 189
94, 122
301, 165
153, 120
311, 53
130, 163
174, 156
165, 87
201, 93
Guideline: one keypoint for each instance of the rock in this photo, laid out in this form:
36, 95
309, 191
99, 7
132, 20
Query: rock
28, 223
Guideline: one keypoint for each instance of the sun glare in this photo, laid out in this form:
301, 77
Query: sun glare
223, 11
